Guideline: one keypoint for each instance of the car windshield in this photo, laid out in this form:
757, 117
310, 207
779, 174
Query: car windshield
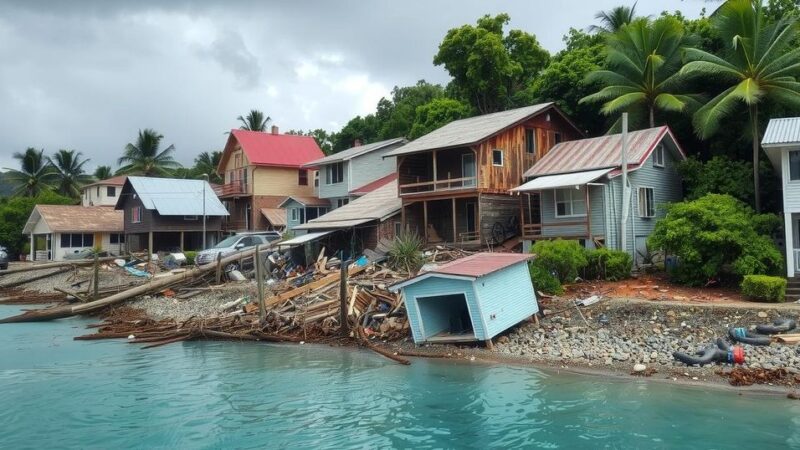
227, 242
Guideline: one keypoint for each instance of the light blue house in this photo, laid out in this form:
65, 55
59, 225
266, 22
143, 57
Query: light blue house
343, 175
300, 210
470, 299
576, 191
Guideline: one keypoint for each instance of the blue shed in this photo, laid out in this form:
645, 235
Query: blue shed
470, 299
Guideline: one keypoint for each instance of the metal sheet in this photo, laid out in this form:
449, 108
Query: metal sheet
177, 197
560, 181
782, 131
300, 240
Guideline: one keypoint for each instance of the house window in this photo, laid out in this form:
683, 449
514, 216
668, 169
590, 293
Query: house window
98, 191
77, 240
530, 141
658, 156
302, 177
189, 217
647, 207
497, 157
297, 215
111, 191
794, 165
136, 214
570, 202
117, 238
398, 228
316, 179
334, 173
341, 202
557, 138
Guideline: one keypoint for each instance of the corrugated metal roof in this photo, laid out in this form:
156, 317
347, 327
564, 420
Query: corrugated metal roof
276, 216
299, 240
782, 131
176, 197
267, 149
305, 201
561, 180
369, 187
600, 152
76, 219
377, 205
352, 152
473, 266
469, 131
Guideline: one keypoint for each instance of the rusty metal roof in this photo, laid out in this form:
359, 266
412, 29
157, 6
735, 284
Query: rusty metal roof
782, 131
471, 267
76, 219
275, 216
601, 152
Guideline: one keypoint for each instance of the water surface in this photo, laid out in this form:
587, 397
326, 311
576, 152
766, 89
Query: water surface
56, 392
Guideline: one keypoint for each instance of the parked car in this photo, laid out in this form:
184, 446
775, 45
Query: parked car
234, 244
3, 258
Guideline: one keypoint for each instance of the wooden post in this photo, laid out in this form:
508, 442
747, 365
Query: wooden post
262, 310
182, 246
150, 246
219, 268
588, 214
344, 328
425, 219
403, 218
455, 228
96, 281
434, 170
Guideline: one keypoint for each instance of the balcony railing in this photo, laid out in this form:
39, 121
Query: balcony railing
448, 184
234, 188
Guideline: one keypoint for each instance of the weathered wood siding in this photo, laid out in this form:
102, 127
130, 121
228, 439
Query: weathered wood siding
495, 208
506, 298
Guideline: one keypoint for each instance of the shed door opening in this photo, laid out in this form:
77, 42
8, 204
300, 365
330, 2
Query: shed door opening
445, 318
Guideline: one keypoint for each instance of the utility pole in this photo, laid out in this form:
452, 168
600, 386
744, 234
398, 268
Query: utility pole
625, 193
205, 181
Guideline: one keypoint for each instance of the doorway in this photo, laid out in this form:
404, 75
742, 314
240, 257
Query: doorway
468, 169
445, 318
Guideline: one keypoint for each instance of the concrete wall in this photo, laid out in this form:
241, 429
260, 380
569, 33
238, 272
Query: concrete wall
98, 195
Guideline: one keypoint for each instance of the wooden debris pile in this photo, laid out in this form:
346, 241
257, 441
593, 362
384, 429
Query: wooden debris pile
741, 376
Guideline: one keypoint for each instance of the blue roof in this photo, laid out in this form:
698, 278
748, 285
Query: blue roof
176, 197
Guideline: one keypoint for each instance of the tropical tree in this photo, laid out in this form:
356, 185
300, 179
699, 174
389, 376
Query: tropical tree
102, 172
254, 121
146, 158
759, 64
70, 176
614, 19
206, 163
643, 59
36, 174
437, 113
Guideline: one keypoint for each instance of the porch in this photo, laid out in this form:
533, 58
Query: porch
533, 228
453, 220
240, 216
437, 171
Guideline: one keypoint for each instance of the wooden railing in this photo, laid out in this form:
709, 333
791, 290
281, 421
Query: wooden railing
448, 184
234, 188
534, 230
468, 236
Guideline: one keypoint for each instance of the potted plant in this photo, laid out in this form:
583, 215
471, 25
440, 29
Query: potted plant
26, 250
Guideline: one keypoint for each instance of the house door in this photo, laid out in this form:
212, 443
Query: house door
470, 206
468, 169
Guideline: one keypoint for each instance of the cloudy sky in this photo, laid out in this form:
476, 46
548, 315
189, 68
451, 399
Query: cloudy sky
88, 74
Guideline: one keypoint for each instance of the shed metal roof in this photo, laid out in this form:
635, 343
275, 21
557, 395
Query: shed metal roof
176, 197
470, 131
376, 205
302, 239
350, 153
561, 180
782, 131
471, 267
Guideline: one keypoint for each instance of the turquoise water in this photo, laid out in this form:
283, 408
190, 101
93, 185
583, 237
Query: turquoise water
56, 393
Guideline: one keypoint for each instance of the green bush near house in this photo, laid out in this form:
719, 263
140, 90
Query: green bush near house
190, 257
544, 281
560, 257
764, 288
607, 264
405, 254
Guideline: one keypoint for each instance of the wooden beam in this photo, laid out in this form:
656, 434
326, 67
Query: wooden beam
588, 214
434, 170
314, 285
425, 219
455, 228
182, 242
149, 245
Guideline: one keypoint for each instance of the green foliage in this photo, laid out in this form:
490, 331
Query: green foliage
544, 281
70, 175
364, 129
145, 158
190, 256
437, 113
560, 257
406, 252
608, 264
26, 248
716, 233
35, 175
719, 175
103, 173
323, 138
14, 212
488, 67
205, 164
614, 19
764, 288
255, 120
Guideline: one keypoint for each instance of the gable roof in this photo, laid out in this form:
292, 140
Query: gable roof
76, 219
174, 196
305, 201
113, 181
275, 216
379, 204
469, 268
782, 131
602, 152
268, 149
470, 131
352, 152
369, 187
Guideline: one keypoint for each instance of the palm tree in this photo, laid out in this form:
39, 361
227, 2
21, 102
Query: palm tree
70, 176
643, 59
145, 158
255, 121
760, 64
614, 19
102, 173
206, 164
35, 175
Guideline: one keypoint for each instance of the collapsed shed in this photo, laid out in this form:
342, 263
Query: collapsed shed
470, 299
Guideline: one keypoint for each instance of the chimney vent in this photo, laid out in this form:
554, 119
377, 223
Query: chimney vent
357, 143
274, 129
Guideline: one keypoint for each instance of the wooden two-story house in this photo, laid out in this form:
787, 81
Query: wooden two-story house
343, 175
454, 182
261, 170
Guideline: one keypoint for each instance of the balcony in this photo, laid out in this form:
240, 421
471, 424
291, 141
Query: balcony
448, 184
437, 171
235, 188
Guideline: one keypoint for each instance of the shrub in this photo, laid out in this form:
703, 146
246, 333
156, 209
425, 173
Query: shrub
406, 252
717, 232
560, 257
190, 256
544, 281
764, 288
14, 212
608, 264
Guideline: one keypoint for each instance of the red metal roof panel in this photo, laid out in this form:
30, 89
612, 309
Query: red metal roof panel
481, 264
283, 150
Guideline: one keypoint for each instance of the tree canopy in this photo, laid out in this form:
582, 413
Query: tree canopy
146, 158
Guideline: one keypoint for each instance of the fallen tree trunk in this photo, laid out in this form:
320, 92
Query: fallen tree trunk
33, 278
54, 265
154, 285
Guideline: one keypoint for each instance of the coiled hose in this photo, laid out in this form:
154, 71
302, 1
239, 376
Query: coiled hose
781, 325
719, 352
740, 334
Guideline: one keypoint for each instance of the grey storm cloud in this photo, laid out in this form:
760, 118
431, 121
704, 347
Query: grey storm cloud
88, 74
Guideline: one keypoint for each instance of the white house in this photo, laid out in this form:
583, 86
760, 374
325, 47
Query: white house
102, 193
58, 230
782, 144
